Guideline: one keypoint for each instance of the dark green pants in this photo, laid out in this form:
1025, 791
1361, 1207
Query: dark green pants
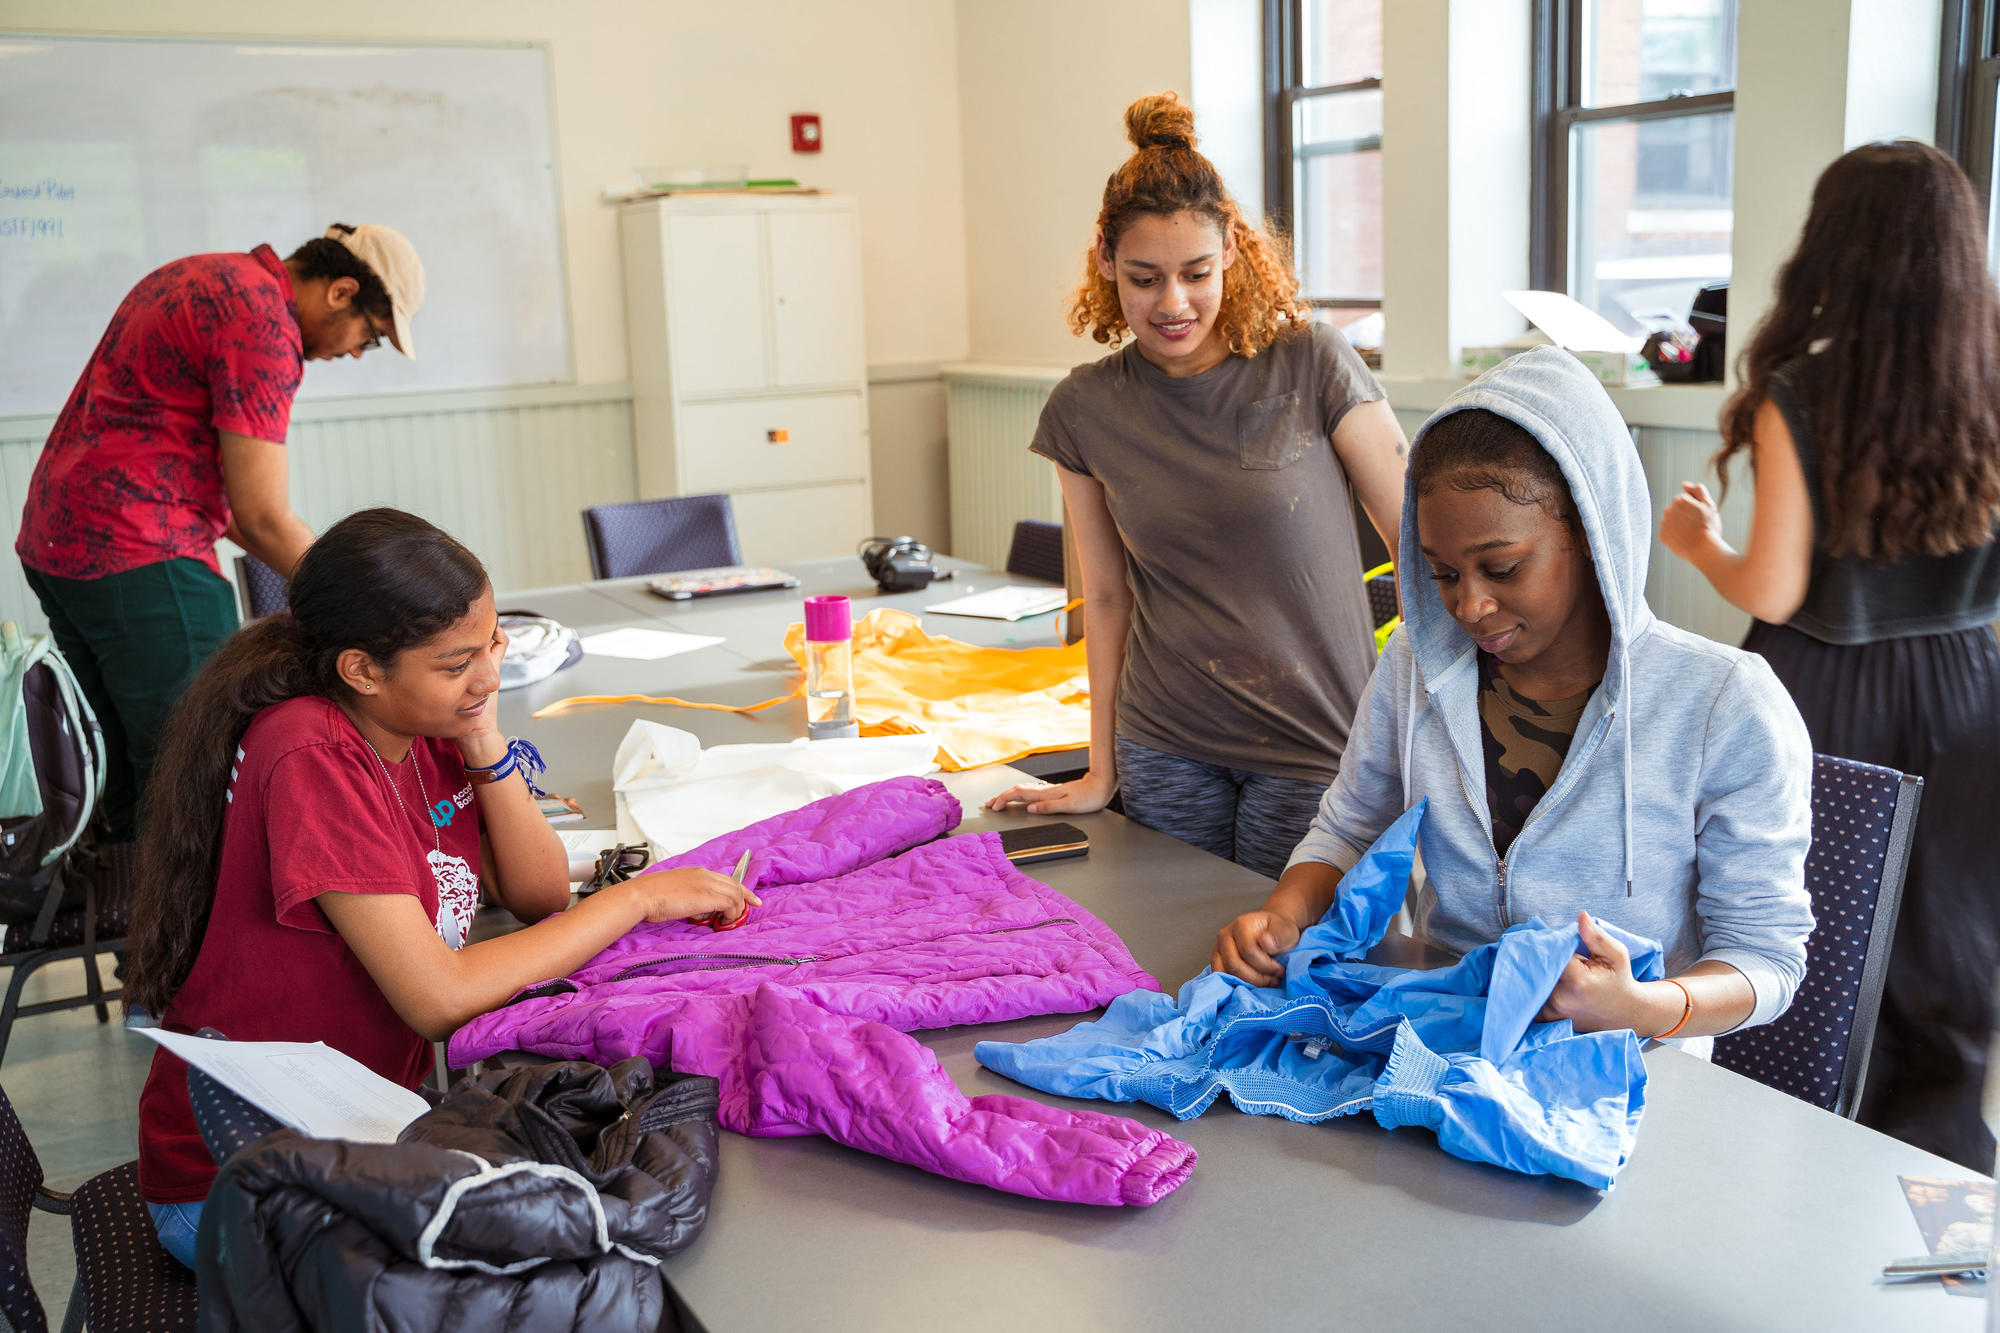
134, 639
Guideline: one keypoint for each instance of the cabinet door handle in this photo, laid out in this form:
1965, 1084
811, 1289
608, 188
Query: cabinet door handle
779, 436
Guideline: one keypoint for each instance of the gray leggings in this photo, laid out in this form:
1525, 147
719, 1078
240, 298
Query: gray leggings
1250, 818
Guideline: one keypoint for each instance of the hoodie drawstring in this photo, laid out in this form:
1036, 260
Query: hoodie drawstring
1410, 731
1625, 684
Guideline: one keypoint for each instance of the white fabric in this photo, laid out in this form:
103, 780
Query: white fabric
676, 795
536, 650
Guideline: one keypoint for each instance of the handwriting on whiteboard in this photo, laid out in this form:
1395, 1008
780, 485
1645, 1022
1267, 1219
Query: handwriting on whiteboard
46, 188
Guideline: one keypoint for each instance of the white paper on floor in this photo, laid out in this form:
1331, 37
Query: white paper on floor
645, 645
676, 795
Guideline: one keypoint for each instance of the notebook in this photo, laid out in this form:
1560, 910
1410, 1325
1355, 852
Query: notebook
1012, 601
686, 583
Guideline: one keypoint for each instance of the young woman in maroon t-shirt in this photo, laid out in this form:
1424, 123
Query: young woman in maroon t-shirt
332, 794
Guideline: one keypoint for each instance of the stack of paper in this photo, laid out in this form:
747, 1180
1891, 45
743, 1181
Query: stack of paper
1011, 602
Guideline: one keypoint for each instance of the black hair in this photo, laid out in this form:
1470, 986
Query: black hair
325, 257
379, 580
1478, 450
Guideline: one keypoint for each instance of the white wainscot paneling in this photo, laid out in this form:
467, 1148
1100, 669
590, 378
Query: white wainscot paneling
991, 412
507, 472
1676, 589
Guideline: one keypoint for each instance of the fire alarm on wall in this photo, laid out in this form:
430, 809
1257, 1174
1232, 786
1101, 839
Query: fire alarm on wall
805, 133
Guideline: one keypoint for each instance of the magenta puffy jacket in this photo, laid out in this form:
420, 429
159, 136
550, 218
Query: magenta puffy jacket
801, 1012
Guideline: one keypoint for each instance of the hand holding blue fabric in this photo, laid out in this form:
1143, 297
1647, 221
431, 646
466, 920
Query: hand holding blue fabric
1597, 991
1250, 947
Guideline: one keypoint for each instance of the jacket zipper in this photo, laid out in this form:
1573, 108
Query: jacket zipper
1052, 921
729, 960
722, 960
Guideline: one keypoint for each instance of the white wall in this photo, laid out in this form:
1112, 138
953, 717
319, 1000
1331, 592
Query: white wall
1814, 79
645, 82
1226, 48
1043, 87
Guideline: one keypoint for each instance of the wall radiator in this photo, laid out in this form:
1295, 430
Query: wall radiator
507, 472
990, 413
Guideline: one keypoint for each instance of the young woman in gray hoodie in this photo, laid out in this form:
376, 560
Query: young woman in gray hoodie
1581, 757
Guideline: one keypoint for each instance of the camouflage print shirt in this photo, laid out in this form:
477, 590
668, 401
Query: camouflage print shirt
1525, 740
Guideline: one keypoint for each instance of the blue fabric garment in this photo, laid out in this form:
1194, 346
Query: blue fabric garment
1456, 1050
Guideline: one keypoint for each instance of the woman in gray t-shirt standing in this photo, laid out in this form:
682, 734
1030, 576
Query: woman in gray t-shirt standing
1209, 469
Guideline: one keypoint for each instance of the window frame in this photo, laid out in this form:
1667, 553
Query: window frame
1284, 90
1558, 108
1969, 89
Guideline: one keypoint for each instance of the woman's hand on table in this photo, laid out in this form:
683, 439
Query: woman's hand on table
676, 895
1089, 793
1598, 993
1249, 947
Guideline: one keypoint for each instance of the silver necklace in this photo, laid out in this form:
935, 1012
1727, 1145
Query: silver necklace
437, 846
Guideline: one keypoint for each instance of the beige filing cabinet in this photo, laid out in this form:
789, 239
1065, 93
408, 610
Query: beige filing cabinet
749, 371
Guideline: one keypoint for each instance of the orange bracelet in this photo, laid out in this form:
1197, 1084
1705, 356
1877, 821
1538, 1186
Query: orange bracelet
1687, 1011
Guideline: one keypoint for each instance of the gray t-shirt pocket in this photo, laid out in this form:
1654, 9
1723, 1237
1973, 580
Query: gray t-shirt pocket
1270, 433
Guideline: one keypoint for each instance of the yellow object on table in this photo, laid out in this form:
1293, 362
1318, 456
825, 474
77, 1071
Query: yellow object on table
984, 705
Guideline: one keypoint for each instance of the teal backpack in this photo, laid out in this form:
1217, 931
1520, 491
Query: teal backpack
52, 762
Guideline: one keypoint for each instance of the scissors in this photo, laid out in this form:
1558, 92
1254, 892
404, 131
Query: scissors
714, 920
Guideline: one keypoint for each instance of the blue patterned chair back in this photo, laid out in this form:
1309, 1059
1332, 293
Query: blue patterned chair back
1382, 599
661, 536
20, 1174
264, 593
1818, 1051
1037, 551
227, 1122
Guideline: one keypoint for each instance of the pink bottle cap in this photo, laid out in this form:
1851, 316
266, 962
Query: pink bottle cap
829, 619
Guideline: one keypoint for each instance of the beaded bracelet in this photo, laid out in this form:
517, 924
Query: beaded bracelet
1687, 1010
520, 755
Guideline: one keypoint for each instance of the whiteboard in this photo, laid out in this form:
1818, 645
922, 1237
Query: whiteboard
120, 154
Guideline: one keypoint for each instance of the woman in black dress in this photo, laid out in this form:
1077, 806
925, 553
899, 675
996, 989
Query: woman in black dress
1870, 408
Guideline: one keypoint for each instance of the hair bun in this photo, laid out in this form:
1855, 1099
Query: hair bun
1161, 120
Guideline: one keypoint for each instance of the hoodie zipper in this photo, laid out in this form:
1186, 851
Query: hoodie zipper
1486, 814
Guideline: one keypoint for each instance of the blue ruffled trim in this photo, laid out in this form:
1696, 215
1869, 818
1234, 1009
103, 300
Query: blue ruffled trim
1407, 1092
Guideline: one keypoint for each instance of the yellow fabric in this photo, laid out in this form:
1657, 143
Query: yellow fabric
984, 705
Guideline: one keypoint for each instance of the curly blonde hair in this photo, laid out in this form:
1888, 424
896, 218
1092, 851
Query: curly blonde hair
1165, 176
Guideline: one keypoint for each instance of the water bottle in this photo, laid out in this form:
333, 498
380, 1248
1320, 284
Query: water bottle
829, 669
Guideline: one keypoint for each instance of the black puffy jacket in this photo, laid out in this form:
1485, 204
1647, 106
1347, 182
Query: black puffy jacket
529, 1199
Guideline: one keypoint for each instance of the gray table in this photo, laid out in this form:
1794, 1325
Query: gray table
1741, 1208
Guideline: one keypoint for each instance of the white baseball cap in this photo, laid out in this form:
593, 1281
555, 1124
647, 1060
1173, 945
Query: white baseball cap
394, 260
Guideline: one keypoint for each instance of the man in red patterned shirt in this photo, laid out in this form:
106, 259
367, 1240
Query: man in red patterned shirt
173, 438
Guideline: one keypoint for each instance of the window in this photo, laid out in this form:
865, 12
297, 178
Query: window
1634, 153
1323, 152
1969, 97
